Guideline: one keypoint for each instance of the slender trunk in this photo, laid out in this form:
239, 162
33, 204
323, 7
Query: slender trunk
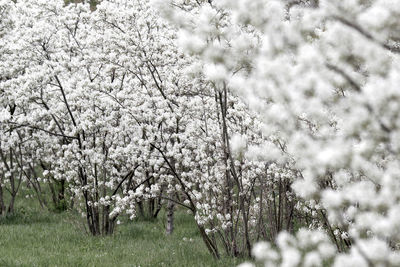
260, 222
10, 209
31, 182
331, 231
275, 215
141, 209
170, 217
53, 194
228, 179
159, 206
209, 244
151, 207
246, 225
107, 218
109, 224
289, 210
12, 183
96, 220
61, 194
279, 206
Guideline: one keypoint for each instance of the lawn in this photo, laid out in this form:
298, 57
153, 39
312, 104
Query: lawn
35, 237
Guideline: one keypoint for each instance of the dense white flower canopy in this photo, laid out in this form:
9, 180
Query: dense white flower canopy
323, 75
266, 119
105, 101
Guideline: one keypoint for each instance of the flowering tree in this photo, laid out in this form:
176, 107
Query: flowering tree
277, 115
323, 76
64, 97
111, 109
114, 112
253, 205
11, 142
184, 141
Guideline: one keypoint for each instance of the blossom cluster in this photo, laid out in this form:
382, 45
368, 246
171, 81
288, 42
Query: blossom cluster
323, 77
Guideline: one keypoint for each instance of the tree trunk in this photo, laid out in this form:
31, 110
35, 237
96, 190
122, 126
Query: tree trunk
170, 217
10, 209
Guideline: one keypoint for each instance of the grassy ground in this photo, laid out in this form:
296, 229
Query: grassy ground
34, 237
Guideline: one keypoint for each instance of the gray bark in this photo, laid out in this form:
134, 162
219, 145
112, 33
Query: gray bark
170, 217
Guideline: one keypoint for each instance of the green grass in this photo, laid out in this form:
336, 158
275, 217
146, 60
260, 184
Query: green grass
34, 237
